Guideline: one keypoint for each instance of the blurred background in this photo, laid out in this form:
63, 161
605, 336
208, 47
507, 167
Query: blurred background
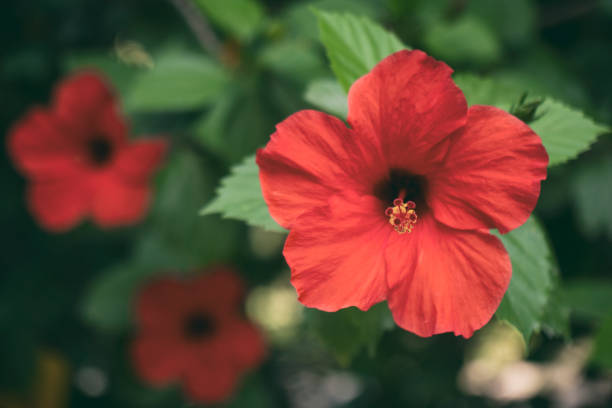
65, 299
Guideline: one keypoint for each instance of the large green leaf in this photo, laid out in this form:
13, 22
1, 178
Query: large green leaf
533, 269
354, 44
178, 82
556, 316
486, 91
178, 236
240, 121
326, 94
464, 40
296, 60
240, 18
300, 24
348, 331
565, 132
239, 197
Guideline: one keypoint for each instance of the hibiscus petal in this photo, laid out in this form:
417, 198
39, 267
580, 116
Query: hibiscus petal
336, 254
492, 173
221, 290
79, 99
116, 203
445, 280
110, 124
162, 305
245, 343
410, 103
310, 157
137, 161
205, 382
58, 205
41, 147
159, 359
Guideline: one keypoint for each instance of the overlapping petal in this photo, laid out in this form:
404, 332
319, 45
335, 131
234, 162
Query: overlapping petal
79, 99
109, 123
445, 280
160, 305
116, 203
409, 103
159, 359
212, 384
310, 157
336, 254
59, 205
136, 162
246, 343
221, 291
41, 147
492, 173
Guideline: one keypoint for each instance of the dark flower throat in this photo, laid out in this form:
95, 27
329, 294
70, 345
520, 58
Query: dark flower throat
199, 326
403, 185
100, 150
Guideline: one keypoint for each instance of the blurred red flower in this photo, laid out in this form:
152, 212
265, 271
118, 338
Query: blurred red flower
79, 161
398, 205
193, 331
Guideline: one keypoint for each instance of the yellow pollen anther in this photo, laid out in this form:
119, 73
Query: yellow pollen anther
402, 215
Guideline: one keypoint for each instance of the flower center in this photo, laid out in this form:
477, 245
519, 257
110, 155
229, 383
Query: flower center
407, 192
99, 150
199, 325
402, 215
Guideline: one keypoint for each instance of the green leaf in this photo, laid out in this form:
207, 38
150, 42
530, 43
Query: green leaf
120, 74
556, 317
326, 94
543, 73
533, 268
602, 350
295, 60
240, 18
565, 132
240, 121
108, 302
348, 331
588, 299
179, 238
239, 197
486, 91
298, 15
354, 44
592, 180
178, 82
465, 40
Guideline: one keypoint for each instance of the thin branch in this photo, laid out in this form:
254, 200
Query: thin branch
199, 25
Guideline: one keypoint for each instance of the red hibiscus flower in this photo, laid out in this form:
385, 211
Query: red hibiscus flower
194, 332
398, 205
78, 159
